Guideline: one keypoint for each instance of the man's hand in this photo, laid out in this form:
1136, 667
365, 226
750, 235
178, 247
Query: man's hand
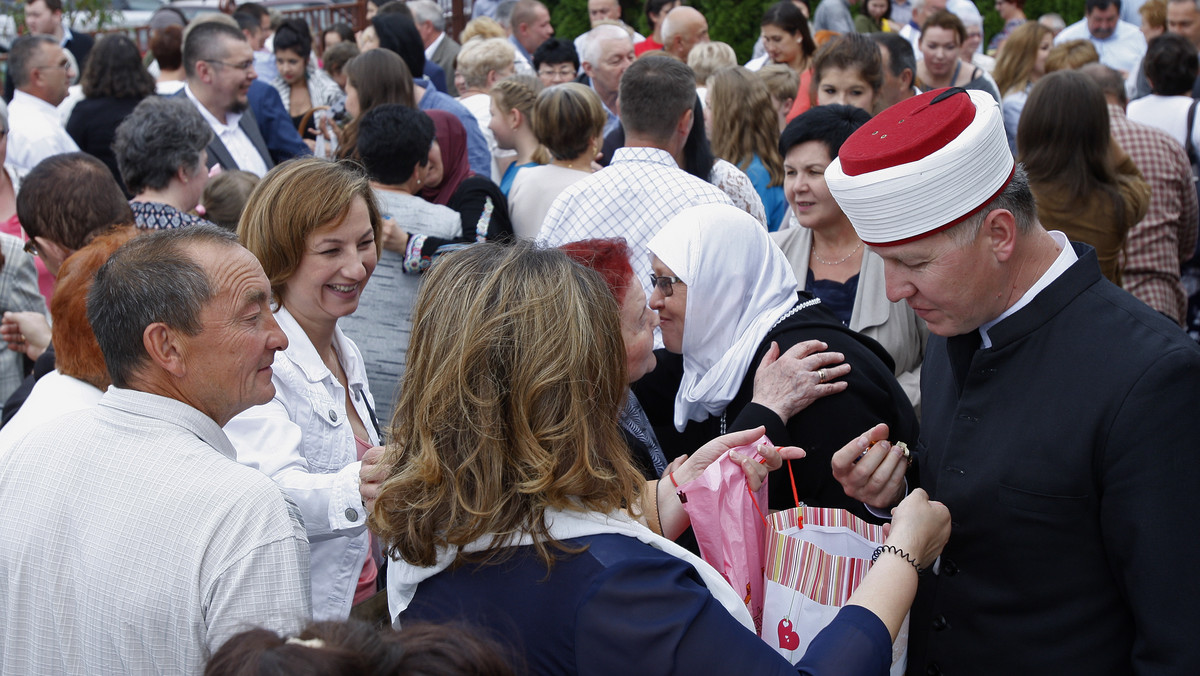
788, 384
25, 332
871, 470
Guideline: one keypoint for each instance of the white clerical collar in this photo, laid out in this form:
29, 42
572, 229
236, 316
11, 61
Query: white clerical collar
1066, 258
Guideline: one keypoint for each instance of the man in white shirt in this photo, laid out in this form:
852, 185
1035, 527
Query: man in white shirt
41, 73
219, 63
134, 542
1121, 45
643, 186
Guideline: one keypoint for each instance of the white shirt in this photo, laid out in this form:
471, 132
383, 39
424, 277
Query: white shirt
633, 197
233, 137
1122, 50
303, 440
433, 46
35, 132
1168, 113
133, 543
533, 191
53, 396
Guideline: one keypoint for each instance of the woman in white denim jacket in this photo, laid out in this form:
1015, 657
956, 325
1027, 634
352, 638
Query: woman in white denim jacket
314, 226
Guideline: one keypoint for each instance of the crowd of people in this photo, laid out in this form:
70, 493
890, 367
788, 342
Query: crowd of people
374, 351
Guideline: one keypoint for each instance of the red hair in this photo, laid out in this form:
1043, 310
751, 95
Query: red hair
609, 257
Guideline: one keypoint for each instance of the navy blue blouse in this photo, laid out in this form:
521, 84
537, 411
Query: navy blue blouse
622, 606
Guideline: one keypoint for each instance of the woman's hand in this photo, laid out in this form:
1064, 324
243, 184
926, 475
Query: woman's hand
755, 470
371, 476
920, 527
394, 238
787, 384
26, 332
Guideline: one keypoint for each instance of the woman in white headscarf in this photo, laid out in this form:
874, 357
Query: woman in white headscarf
726, 296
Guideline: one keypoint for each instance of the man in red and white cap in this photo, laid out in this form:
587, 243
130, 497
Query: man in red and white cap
1057, 412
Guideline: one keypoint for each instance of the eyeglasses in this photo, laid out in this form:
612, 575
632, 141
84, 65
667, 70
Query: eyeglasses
566, 71
31, 248
244, 66
665, 284
65, 66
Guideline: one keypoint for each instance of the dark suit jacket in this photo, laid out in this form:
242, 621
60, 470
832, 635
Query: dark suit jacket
444, 56
219, 154
1066, 453
276, 125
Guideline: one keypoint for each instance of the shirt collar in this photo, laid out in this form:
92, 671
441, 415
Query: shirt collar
644, 154
169, 412
218, 126
304, 355
434, 45
1066, 258
42, 106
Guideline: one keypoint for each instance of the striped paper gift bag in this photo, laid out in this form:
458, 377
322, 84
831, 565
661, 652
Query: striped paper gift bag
813, 565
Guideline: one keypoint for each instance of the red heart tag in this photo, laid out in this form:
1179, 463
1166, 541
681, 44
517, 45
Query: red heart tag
788, 639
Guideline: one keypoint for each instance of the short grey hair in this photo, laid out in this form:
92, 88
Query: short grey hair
503, 14
593, 38
1016, 198
152, 278
160, 136
22, 56
428, 10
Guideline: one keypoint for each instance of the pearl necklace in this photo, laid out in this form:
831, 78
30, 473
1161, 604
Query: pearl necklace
825, 262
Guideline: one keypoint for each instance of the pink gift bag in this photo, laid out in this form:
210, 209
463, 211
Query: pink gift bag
729, 526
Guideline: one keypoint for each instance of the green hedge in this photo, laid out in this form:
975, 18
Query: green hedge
736, 21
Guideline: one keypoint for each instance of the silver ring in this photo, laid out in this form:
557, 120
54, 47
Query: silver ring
821, 375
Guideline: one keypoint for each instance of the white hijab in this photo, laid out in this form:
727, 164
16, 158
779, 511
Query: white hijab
738, 285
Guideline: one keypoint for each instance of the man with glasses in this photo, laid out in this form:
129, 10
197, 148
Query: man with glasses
41, 73
219, 64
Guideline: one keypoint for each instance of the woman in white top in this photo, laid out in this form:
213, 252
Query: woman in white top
314, 225
568, 120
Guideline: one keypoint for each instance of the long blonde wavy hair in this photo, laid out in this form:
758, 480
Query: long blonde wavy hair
514, 382
744, 122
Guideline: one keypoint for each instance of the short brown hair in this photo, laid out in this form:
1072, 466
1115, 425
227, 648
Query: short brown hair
294, 200
567, 118
947, 21
70, 198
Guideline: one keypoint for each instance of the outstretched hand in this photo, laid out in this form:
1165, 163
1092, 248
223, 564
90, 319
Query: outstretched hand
756, 471
871, 469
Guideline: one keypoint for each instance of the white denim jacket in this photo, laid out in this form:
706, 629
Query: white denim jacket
303, 441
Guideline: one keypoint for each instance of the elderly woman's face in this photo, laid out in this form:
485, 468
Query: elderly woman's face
637, 330
671, 309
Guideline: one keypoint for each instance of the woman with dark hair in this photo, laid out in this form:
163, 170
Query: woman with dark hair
355, 648
942, 36
876, 18
1084, 184
526, 509
113, 83
826, 254
302, 86
160, 149
788, 40
848, 71
373, 78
